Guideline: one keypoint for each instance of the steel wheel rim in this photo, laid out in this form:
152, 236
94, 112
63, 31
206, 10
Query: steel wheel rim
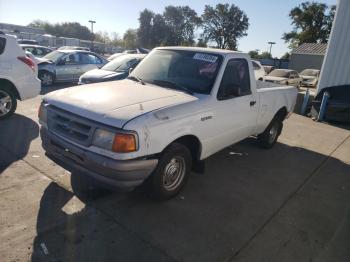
5, 103
273, 133
174, 172
46, 79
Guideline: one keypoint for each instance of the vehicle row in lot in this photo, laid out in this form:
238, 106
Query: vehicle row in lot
177, 107
18, 76
308, 77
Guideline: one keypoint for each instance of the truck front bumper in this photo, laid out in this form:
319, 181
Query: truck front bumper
119, 174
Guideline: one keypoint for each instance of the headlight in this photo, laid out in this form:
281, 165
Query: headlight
42, 113
116, 142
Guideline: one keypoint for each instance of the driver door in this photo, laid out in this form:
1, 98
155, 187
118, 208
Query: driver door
68, 68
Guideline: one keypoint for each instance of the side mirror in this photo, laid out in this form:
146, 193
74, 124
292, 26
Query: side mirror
130, 70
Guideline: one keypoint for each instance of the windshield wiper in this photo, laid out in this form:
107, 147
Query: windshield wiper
135, 78
172, 84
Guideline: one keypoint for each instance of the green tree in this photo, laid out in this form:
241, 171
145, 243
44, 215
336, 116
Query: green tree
265, 55
254, 54
312, 24
160, 31
224, 25
286, 56
145, 30
130, 38
181, 21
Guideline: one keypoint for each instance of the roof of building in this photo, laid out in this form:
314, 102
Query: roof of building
311, 49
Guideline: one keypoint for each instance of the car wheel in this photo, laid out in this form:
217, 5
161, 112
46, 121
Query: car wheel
8, 102
269, 137
171, 173
46, 78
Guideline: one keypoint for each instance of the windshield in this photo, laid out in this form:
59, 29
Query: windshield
122, 63
279, 73
194, 71
54, 56
310, 72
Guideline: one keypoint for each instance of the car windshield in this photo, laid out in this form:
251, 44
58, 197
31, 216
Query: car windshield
179, 69
54, 56
310, 72
279, 73
121, 64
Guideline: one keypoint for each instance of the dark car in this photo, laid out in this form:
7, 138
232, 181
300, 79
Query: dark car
67, 65
116, 69
36, 50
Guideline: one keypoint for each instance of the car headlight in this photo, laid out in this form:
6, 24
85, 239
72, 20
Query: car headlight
42, 113
116, 142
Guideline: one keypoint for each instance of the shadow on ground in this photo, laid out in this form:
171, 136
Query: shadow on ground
16, 134
216, 217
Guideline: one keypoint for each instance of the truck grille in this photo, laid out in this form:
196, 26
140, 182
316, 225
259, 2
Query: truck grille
70, 126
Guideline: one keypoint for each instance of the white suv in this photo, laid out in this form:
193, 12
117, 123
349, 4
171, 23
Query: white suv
18, 76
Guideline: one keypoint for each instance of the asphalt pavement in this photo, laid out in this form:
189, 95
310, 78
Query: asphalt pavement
290, 203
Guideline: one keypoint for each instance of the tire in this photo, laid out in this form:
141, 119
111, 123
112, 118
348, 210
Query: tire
8, 102
269, 137
46, 78
171, 173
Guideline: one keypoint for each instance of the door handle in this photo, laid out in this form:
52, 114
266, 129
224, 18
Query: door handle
252, 103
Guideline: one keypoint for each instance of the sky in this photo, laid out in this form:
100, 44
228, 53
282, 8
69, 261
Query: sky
268, 19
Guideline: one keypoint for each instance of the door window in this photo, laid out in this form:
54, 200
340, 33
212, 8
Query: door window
256, 66
235, 81
71, 59
89, 59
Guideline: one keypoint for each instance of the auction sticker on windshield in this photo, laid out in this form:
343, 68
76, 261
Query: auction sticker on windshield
205, 57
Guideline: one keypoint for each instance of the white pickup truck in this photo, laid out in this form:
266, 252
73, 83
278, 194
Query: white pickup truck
178, 106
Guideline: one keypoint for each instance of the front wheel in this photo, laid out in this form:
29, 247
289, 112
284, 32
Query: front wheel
46, 78
8, 102
171, 173
269, 137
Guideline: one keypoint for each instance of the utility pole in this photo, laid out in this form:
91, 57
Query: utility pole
271, 43
92, 32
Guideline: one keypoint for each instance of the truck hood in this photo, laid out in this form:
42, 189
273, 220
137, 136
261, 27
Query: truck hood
115, 103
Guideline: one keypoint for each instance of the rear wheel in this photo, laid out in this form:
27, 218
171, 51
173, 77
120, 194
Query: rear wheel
171, 173
46, 78
269, 137
8, 102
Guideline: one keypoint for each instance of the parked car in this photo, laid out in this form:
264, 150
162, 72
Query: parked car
67, 65
28, 42
37, 50
284, 77
115, 70
310, 77
74, 48
110, 58
259, 71
178, 106
18, 79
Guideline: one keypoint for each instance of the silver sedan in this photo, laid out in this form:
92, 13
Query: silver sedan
67, 65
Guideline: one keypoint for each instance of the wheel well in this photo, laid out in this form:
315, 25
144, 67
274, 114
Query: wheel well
5, 82
192, 143
282, 113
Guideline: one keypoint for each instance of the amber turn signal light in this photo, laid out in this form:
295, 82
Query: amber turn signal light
124, 143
